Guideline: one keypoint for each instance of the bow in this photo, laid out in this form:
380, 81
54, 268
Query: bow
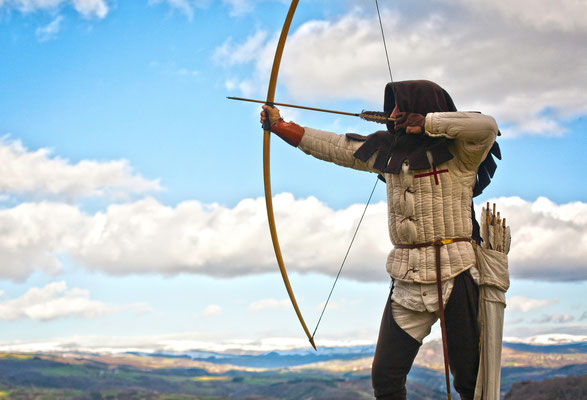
267, 175
266, 169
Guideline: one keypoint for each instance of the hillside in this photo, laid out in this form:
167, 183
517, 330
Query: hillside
331, 373
51, 377
571, 388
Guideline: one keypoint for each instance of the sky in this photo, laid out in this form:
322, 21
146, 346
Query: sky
131, 193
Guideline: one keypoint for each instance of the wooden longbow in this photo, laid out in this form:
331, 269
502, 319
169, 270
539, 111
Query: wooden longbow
266, 168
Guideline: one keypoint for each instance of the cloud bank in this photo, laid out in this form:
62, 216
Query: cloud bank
40, 174
147, 237
549, 241
554, 318
55, 301
508, 61
211, 310
525, 304
269, 304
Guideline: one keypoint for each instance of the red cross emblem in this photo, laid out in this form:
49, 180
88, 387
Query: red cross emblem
434, 172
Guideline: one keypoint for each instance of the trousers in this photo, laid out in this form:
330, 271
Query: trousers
396, 349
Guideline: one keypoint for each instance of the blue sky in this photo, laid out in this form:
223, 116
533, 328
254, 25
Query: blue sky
131, 188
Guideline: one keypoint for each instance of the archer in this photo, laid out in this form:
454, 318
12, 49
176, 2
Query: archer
430, 158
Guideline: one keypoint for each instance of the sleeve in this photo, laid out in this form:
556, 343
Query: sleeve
474, 133
334, 148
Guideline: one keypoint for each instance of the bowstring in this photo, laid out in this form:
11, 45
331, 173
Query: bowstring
372, 190
345, 257
384, 42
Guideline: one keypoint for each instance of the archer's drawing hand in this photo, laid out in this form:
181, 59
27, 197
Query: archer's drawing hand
273, 113
410, 122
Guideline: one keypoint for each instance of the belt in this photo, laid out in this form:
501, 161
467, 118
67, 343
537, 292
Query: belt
438, 243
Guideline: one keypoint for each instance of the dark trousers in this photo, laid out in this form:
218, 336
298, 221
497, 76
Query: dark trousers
396, 350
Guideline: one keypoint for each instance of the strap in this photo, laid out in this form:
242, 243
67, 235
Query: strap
437, 245
442, 323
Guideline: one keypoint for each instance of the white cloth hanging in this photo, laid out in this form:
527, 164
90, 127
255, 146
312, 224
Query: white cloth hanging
494, 282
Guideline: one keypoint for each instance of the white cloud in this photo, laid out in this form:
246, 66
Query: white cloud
34, 234
562, 15
40, 174
240, 7
554, 318
495, 64
51, 302
229, 54
49, 31
87, 8
549, 241
546, 328
548, 339
334, 305
186, 7
183, 6
525, 304
211, 311
269, 304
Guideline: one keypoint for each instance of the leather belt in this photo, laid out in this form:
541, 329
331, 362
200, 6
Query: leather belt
437, 243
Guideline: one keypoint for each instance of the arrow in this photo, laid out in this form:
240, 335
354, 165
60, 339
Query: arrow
374, 116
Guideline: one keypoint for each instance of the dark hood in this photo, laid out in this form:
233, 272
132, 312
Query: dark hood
420, 97
394, 148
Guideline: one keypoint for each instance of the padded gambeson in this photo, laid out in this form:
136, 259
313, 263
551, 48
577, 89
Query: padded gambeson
424, 208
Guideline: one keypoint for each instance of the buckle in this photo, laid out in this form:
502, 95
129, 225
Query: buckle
442, 242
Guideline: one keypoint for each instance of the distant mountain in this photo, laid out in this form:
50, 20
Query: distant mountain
567, 348
274, 359
181, 343
430, 356
548, 339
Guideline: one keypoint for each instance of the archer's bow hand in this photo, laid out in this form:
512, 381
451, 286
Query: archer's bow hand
410, 122
290, 132
272, 113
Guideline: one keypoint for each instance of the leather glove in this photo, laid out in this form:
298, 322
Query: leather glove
410, 122
274, 115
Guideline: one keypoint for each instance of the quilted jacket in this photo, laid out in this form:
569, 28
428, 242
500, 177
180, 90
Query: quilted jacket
424, 205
